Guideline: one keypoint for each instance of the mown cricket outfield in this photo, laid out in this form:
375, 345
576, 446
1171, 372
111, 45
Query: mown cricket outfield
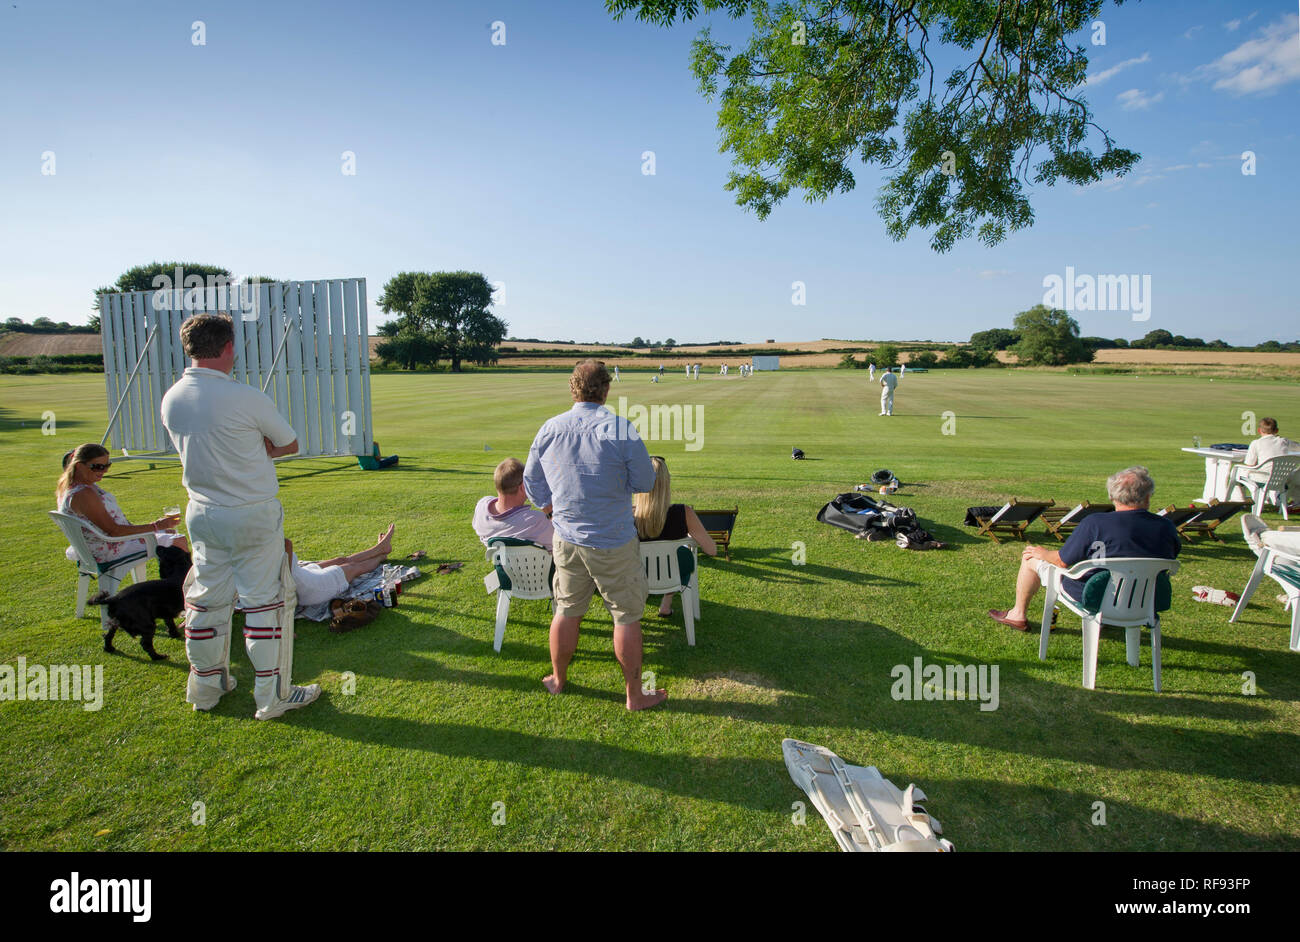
424, 738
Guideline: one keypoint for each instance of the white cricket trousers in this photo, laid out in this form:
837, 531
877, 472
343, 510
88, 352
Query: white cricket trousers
236, 551
886, 400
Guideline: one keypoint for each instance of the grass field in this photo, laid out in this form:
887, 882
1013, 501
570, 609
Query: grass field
440, 727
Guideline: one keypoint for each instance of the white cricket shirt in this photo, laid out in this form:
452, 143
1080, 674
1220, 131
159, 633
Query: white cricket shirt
217, 425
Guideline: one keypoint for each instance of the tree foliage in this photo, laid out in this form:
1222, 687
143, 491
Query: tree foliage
886, 354
824, 85
449, 309
959, 357
996, 338
1049, 338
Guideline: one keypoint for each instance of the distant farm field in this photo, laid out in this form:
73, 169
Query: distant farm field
801, 634
16, 344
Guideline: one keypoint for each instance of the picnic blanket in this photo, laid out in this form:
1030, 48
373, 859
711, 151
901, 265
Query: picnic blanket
362, 587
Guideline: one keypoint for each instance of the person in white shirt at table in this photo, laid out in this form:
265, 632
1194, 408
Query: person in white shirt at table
1269, 445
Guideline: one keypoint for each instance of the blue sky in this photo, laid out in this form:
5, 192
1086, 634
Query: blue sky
524, 161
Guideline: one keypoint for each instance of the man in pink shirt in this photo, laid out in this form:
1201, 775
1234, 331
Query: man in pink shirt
508, 514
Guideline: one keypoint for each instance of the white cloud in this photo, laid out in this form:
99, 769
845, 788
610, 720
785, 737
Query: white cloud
1135, 100
1178, 167
1145, 225
1262, 64
1152, 205
1192, 32
995, 273
1116, 69
1202, 164
1232, 25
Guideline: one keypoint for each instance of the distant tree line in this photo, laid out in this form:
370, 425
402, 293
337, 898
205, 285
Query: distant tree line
1060, 347
43, 325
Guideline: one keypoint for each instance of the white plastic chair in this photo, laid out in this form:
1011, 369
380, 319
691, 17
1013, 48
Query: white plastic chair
1281, 472
1129, 603
522, 570
666, 570
1279, 564
108, 575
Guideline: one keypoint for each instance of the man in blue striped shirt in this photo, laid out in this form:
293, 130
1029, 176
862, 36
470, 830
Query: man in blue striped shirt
587, 463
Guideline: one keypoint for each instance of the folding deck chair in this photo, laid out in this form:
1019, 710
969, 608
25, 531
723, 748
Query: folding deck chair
1011, 519
1208, 520
1180, 516
1061, 522
720, 523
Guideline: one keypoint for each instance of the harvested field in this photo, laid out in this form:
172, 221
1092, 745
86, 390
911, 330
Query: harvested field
31, 345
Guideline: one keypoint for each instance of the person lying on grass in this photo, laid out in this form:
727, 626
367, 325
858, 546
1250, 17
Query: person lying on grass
657, 518
78, 493
1131, 530
318, 582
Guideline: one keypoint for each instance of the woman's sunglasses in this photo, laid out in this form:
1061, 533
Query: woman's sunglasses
101, 467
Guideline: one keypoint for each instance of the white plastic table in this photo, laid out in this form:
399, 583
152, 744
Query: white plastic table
1218, 470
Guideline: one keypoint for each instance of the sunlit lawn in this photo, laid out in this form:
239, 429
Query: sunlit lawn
441, 727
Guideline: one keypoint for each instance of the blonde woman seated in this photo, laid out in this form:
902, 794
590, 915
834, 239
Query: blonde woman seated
659, 519
78, 493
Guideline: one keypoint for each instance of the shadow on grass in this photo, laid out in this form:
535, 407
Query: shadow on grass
962, 805
11, 421
772, 566
796, 672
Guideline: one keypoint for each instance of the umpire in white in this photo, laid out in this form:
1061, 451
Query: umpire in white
227, 433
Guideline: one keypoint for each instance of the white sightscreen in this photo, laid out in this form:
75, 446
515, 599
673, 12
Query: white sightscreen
767, 363
320, 380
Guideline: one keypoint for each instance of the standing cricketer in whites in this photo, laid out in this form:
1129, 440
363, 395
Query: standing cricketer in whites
587, 463
227, 433
887, 383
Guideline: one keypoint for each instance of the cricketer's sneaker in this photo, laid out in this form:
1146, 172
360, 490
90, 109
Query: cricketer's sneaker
298, 697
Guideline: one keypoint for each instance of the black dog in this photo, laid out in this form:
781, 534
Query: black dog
135, 608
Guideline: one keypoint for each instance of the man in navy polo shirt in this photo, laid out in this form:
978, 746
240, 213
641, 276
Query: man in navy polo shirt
1131, 530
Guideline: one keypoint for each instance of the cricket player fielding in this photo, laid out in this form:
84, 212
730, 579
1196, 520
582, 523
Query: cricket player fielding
227, 433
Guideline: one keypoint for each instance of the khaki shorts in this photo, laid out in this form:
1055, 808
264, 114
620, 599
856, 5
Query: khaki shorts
617, 574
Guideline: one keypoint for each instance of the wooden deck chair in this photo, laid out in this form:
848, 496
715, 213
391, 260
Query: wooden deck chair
1208, 520
720, 523
1061, 522
1012, 518
1181, 516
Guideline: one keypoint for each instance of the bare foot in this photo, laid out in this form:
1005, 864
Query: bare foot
644, 701
385, 544
551, 684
